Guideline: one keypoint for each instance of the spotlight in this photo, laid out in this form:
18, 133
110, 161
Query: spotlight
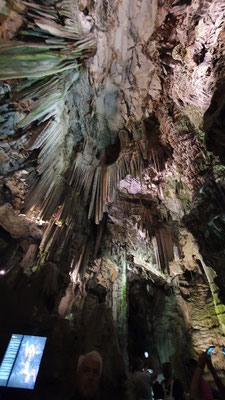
146, 354
2, 272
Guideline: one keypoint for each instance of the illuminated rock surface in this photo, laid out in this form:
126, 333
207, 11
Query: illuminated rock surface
112, 194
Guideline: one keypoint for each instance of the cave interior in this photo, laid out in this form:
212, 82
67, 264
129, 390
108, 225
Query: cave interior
112, 189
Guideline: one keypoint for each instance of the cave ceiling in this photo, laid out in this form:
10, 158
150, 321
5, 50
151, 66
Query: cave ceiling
112, 144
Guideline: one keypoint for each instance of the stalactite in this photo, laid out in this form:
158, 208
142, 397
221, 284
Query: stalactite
75, 268
161, 238
95, 184
45, 64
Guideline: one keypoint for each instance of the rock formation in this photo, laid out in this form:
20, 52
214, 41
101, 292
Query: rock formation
112, 191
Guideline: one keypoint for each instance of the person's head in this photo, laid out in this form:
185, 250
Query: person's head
167, 370
89, 369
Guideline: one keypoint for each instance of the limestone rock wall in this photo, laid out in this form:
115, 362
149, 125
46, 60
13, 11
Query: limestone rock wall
112, 179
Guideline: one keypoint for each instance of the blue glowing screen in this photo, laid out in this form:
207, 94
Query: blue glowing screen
21, 362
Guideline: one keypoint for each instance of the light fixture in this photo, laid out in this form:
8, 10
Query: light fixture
2, 272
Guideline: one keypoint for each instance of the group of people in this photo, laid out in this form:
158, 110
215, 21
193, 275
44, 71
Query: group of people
146, 385
142, 381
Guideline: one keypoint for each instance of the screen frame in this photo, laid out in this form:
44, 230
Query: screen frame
24, 339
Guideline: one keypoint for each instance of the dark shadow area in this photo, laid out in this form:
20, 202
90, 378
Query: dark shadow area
112, 152
214, 123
